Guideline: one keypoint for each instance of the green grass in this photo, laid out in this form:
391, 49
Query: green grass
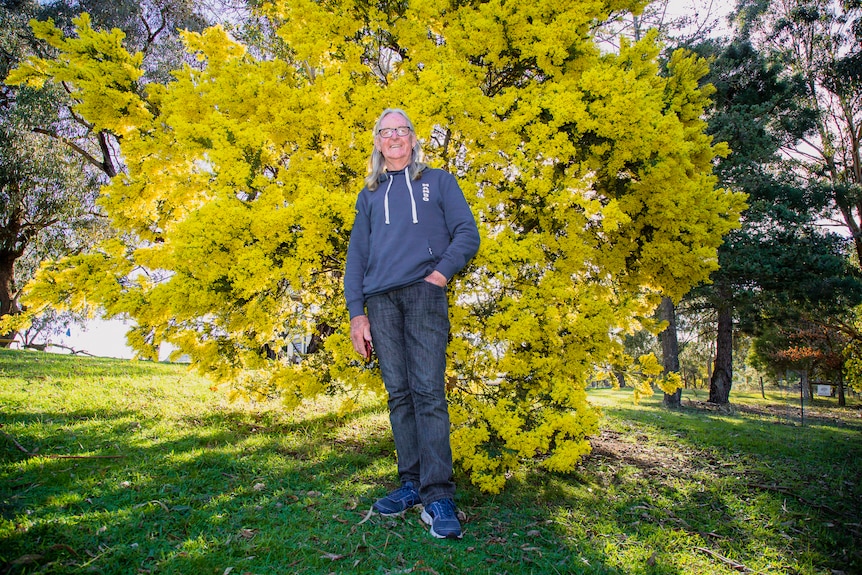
134, 467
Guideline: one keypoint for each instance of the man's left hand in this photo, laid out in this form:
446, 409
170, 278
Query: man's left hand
437, 279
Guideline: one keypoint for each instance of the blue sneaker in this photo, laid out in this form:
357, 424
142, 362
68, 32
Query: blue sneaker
443, 519
399, 501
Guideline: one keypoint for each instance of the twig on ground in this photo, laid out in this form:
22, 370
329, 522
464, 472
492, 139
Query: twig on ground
787, 491
45, 346
367, 516
730, 562
53, 456
18, 445
83, 456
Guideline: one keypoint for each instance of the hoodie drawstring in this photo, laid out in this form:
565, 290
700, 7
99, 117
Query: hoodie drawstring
386, 201
412, 199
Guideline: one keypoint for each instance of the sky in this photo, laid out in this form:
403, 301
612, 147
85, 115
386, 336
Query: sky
107, 338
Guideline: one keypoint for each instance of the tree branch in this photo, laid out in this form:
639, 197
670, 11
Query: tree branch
103, 166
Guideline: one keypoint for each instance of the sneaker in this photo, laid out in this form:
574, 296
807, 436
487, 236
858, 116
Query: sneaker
399, 501
443, 519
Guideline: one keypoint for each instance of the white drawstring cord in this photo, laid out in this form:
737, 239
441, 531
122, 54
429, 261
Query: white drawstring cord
386, 201
412, 199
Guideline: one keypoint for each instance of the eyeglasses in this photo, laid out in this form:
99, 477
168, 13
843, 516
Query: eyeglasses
389, 132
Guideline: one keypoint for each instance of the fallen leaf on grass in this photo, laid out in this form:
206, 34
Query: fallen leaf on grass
27, 559
259, 486
63, 547
156, 501
247, 533
367, 516
332, 556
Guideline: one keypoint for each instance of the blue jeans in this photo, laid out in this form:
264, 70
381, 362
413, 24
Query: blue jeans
410, 331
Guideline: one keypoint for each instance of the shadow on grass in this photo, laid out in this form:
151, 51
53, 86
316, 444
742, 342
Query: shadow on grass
218, 481
214, 491
231, 489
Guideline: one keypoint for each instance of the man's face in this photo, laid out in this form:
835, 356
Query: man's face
396, 150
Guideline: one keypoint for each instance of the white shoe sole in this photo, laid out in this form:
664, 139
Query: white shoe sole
430, 522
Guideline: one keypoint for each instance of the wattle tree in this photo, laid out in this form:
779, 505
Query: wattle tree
589, 174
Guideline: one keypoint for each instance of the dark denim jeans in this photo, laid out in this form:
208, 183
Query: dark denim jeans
410, 331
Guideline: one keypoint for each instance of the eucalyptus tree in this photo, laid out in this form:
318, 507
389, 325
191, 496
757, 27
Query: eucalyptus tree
46, 196
819, 42
52, 160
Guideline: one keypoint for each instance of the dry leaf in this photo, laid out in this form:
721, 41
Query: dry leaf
332, 556
27, 559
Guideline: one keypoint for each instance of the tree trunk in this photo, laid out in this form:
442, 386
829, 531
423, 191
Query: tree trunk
805, 384
670, 349
842, 401
722, 374
8, 297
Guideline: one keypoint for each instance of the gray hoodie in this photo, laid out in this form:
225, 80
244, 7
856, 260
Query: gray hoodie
403, 231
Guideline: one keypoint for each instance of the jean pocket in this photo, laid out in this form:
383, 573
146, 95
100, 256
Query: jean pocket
433, 285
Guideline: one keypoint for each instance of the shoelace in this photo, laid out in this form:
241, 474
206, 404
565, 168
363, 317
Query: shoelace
446, 508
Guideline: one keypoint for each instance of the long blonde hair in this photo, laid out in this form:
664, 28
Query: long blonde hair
377, 163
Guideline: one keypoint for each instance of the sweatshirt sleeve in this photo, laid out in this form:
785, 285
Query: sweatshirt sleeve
462, 229
357, 258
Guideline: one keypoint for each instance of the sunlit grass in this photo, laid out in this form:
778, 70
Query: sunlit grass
135, 467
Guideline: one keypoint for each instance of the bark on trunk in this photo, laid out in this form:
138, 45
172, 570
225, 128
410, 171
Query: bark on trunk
842, 400
8, 297
805, 384
722, 374
670, 350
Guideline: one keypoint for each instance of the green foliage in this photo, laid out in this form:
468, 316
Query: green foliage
46, 198
780, 267
590, 175
142, 465
53, 161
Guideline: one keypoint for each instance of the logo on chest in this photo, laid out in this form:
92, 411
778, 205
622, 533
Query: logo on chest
426, 193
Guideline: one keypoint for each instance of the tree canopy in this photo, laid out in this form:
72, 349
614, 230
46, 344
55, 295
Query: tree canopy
589, 174
53, 160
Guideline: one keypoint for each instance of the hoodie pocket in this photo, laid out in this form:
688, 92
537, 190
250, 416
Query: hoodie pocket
437, 246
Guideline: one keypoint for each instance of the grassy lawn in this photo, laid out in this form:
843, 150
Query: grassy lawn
118, 467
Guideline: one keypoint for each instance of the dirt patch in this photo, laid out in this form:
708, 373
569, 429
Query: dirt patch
654, 459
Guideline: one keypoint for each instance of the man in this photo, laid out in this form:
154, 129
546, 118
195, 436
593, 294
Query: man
413, 231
